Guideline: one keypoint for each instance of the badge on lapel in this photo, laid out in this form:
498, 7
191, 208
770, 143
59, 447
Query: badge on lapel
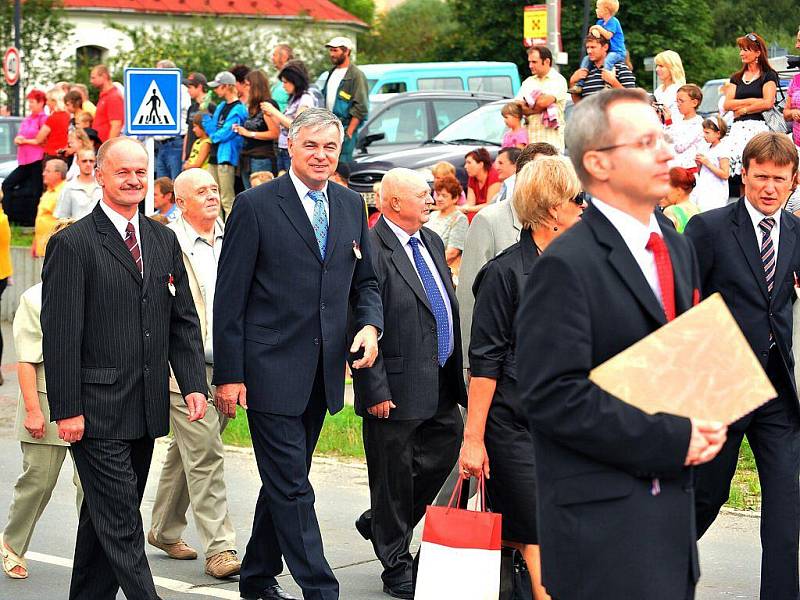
357, 250
171, 285
796, 285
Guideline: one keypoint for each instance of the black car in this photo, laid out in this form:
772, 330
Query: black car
403, 121
481, 127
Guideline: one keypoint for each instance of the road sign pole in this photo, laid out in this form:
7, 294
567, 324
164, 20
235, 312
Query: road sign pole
149, 203
17, 89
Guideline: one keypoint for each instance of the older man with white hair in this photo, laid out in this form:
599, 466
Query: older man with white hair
193, 472
408, 399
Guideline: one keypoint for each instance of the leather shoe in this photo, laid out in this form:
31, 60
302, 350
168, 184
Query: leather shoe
399, 590
273, 592
364, 524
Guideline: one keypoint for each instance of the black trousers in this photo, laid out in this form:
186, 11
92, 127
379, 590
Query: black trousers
21, 192
773, 431
285, 523
407, 462
109, 550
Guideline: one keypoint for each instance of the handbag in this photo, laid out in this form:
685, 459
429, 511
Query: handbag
459, 556
774, 116
515, 580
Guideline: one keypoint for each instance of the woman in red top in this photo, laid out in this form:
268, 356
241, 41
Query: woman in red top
54, 132
483, 183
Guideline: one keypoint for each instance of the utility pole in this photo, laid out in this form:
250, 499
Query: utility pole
16, 90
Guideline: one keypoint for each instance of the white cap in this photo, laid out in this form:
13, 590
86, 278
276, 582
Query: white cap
340, 41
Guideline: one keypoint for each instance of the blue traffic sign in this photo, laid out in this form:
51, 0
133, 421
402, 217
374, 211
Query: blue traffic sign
152, 101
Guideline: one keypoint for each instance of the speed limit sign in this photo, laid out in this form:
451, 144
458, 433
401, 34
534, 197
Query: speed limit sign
11, 66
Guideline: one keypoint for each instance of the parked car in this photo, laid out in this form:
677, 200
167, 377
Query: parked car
481, 127
473, 76
407, 120
9, 127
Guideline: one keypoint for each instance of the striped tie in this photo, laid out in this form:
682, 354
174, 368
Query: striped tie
133, 245
768, 251
319, 221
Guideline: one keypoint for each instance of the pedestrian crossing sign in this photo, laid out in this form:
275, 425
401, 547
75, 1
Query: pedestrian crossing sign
152, 101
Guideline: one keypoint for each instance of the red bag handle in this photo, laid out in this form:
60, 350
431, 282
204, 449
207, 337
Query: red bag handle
457, 494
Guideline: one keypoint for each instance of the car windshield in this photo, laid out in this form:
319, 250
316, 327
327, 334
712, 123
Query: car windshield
711, 94
484, 125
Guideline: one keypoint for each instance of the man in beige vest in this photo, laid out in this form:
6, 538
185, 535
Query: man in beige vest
193, 471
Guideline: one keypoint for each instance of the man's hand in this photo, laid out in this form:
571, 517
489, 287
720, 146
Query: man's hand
367, 338
34, 423
197, 404
228, 396
381, 410
706, 441
71, 430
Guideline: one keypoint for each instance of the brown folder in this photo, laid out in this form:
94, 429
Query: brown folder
699, 365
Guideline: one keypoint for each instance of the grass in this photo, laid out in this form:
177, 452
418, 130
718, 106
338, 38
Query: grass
341, 434
745, 487
21, 236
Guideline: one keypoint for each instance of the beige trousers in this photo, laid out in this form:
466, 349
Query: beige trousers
193, 474
225, 176
41, 464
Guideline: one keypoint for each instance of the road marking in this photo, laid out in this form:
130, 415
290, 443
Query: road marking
163, 582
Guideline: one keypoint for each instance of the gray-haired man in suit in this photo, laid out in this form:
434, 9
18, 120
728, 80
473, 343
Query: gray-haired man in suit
116, 310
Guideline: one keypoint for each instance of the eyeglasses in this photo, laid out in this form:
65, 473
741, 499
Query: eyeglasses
581, 199
649, 143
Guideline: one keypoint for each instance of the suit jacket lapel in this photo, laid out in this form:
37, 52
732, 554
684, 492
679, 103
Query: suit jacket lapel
335, 212
623, 262
441, 266
151, 252
746, 237
401, 261
293, 208
113, 241
786, 245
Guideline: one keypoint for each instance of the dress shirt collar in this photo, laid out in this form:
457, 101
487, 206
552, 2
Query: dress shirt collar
121, 223
756, 216
302, 189
194, 236
635, 233
400, 233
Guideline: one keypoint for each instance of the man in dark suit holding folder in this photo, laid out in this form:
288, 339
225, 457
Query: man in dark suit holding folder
749, 252
116, 312
296, 252
615, 497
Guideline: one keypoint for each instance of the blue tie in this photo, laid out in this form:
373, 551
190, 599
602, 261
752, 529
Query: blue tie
435, 299
320, 221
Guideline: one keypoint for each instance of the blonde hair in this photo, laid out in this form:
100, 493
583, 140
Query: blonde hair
671, 61
56, 94
611, 5
542, 186
259, 177
443, 168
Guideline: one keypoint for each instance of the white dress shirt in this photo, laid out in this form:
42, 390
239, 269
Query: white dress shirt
756, 216
120, 223
404, 237
308, 204
636, 235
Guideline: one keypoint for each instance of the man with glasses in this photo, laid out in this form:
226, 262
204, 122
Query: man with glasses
81, 195
614, 278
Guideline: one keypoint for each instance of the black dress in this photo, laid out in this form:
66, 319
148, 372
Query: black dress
511, 484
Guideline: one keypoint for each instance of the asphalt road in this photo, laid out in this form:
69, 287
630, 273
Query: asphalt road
730, 552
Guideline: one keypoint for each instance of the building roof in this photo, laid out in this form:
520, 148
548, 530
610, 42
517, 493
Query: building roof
322, 10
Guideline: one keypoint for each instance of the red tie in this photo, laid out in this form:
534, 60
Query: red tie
133, 245
666, 280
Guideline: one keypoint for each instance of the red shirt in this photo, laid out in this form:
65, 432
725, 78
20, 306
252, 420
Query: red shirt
481, 192
110, 107
58, 122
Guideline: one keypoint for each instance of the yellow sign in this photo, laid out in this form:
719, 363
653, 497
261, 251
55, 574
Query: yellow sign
535, 24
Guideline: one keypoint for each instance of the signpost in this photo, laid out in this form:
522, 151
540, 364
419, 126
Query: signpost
534, 28
152, 107
12, 65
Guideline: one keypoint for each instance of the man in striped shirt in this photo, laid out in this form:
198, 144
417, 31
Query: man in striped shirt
596, 79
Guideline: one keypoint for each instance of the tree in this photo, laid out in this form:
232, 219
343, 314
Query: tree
389, 40
363, 9
45, 32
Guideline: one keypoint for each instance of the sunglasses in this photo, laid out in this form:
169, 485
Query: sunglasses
581, 199
752, 37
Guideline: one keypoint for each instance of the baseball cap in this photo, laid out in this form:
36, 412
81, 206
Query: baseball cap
340, 41
222, 78
195, 79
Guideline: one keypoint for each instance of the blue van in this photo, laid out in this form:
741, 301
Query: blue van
472, 76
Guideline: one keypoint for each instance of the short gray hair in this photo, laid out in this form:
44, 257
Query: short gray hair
165, 64
59, 166
316, 119
588, 127
106, 146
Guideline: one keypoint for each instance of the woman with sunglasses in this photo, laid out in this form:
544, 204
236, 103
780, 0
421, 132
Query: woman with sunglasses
751, 93
497, 443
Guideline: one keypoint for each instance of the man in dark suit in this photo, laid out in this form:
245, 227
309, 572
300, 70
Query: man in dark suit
116, 311
296, 251
749, 252
412, 427
615, 497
